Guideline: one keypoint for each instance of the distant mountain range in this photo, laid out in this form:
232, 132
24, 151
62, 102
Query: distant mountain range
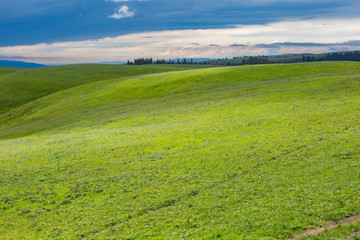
7, 63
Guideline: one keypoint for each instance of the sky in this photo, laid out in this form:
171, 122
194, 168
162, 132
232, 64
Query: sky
79, 31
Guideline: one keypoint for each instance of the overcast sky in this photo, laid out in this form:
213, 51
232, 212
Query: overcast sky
72, 31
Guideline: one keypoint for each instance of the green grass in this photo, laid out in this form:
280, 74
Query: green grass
232, 153
21, 87
6, 70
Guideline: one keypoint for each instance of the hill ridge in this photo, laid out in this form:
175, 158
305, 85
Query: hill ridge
30, 84
151, 86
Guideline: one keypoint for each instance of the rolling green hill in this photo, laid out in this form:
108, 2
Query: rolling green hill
24, 86
245, 152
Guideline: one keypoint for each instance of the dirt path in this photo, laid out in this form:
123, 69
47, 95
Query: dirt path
331, 225
355, 233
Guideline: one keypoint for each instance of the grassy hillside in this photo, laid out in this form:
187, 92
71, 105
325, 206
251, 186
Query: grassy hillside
233, 153
288, 58
24, 86
6, 70
292, 58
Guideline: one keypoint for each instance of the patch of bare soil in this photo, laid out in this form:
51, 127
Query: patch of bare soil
330, 225
357, 234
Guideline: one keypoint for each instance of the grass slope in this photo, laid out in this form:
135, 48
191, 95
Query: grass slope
234, 153
25, 86
7, 70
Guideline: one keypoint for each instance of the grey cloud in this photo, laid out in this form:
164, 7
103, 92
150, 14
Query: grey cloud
237, 45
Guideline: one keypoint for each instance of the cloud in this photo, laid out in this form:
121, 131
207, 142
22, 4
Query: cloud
313, 35
123, 12
237, 45
26, 22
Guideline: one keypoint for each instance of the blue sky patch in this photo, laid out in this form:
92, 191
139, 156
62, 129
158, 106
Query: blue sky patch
25, 22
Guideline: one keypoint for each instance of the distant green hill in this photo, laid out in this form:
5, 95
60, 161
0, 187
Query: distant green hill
247, 152
145, 87
288, 58
20, 87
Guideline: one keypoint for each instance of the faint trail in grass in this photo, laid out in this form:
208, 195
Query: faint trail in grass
169, 203
355, 234
329, 226
164, 204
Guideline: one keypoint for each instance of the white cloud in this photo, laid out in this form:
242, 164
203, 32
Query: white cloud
123, 12
180, 43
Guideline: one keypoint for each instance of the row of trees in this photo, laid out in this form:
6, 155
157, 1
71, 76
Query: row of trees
245, 57
337, 56
250, 60
143, 61
255, 60
237, 61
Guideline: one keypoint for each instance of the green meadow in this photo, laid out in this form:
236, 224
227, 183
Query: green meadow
249, 152
24, 86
